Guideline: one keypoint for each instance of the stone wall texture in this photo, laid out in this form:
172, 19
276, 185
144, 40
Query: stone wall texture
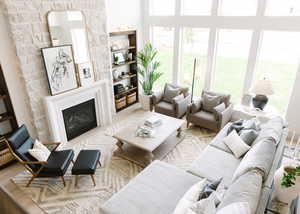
29, 30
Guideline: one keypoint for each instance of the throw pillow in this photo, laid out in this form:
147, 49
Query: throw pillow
236, 144
209, 189
210, 102
248, 136
236, 208
39, 151
190, 197
178, 98
205, 206
218, 110
170, 93
237, 125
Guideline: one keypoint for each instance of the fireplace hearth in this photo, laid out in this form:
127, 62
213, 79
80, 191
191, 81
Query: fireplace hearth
80, 118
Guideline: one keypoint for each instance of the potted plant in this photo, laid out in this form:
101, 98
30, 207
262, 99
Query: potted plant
147, 69
287, 183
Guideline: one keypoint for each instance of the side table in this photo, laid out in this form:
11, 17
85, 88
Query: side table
246, 112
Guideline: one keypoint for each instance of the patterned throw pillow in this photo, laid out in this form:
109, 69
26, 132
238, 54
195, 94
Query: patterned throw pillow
39, 151
209, 189
236, 144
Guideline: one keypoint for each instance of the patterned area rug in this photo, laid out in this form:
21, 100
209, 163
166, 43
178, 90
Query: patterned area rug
53, 197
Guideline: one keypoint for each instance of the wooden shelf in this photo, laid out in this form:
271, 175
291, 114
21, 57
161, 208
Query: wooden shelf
124, 78
126, 63
127, 106
3, 97
121, 33
5, 117
127, 91
123, 49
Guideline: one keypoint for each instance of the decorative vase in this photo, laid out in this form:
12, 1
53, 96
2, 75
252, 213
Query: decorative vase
285, 194
145, 101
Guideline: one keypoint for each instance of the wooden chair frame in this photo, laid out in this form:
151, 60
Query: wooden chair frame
26, 163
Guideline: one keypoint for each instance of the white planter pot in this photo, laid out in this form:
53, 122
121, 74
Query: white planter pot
285, 195
145, 101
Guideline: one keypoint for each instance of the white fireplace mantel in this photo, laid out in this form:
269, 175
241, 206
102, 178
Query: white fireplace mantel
54, 105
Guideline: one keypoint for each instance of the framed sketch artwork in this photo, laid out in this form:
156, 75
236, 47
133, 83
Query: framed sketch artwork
86, 73
60, 68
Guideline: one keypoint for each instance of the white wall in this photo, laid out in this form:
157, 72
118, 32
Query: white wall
15, 83
123, 13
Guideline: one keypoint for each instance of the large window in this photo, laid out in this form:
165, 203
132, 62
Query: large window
196, 7
238, 7
163, 40
278, 62
283, 8
195, 45
162, 8
231, 65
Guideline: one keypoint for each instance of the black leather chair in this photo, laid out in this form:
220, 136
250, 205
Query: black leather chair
56, 165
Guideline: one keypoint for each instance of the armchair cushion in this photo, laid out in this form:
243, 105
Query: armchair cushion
58, 163
196, 106
225, 97
170, 93
23, 153
157, 97
218, 110
209, 102
204, 117
165, 108
177, 99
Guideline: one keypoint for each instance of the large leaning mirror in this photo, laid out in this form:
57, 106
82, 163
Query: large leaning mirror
68, 27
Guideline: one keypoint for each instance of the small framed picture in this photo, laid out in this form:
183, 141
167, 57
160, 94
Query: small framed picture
86, 73
60, 68
118, 58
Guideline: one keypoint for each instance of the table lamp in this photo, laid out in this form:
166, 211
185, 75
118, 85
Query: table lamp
261, 89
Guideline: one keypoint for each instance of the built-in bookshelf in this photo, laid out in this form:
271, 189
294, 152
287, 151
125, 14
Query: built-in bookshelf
8, 122
124, 71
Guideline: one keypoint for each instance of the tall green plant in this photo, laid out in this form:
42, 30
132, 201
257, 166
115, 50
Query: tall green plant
147, 68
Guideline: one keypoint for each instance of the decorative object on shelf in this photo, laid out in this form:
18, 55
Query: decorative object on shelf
120, 103
118, 58
115, 74
129, 56
287, 183
149, 75
86, 74
262, 88
114, 47
131, 98
60, 68
119, 88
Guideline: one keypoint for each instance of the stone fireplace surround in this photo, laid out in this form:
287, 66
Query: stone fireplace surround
27, 20
54, 106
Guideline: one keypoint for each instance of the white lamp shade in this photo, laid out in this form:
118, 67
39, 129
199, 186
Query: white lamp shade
263, 87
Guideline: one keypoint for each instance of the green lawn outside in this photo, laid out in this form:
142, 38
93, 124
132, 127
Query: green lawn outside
230, 74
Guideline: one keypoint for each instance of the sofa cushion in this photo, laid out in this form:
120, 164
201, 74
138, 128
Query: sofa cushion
165, 108
213, 164
260, 157
236, 208
272, 129
190, 197
157, 189
246, 188
236, 144
170, 92
218, 142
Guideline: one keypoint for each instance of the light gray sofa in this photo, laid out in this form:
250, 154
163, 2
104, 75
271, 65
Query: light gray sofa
159, 187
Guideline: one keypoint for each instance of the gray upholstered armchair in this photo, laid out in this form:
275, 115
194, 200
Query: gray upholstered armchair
170, 102
212, 111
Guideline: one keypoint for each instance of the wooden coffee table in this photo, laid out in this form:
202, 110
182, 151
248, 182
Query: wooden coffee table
167, 133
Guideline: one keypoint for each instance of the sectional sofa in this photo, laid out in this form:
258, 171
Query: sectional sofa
160, 186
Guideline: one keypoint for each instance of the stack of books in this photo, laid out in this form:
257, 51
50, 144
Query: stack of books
153, 121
